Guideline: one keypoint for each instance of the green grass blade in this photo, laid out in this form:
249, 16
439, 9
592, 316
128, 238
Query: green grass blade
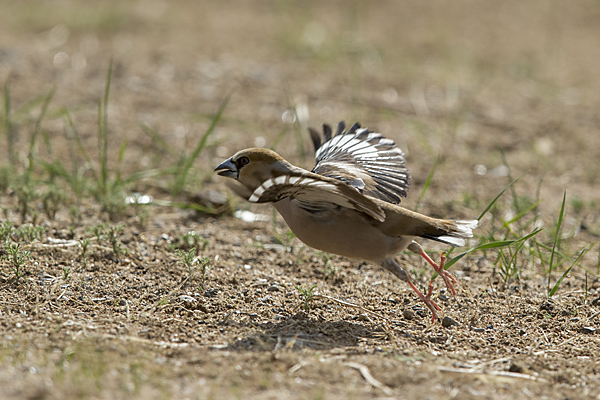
557, 284
536, 214
556, 239
558, 252
189, 161
10, 139
510, 179
120, 159
80, 146
75, 180
519, 215
103, 132
497, 197
427, 183
491, 245
158, 140
102, 182
149, 173
36, 131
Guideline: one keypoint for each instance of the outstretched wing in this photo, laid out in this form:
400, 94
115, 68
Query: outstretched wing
372, 164
312, 192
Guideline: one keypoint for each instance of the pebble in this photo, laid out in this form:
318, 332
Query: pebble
588, 329
187, 299
408, 314
211, 292
447, 322
516, 368
547, 306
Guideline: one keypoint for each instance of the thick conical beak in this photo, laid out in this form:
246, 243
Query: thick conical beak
227, 168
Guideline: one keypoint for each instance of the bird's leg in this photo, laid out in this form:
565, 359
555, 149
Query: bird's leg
427, 299
401, 273
439, 268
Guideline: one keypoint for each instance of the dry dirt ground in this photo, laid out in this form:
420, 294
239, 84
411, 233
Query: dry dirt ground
463, 82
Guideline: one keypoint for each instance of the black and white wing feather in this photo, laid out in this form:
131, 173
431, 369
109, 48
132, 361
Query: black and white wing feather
372, 164
312, 191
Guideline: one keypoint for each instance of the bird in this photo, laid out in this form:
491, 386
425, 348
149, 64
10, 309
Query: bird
349, 203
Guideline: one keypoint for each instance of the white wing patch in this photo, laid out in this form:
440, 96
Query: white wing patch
363, 159
287, 180
347, 142
313, 190
465, 228
262, 188
453, 241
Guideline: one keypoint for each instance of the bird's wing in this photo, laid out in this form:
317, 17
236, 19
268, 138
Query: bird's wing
311, 190
363, 159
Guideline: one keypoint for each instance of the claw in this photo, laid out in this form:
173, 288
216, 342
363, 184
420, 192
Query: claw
427, 300
439, 268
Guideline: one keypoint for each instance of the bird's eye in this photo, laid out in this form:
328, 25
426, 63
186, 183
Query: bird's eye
243, 161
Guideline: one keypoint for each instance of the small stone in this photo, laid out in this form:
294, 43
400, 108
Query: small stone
447, 322
546, 306
126, 238
588, 329
211, 292
187, 299
478, 329
517, 368
408, 314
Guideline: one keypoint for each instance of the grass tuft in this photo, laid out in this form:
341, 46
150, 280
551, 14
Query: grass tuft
187, 162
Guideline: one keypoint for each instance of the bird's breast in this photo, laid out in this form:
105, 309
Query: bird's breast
339, 230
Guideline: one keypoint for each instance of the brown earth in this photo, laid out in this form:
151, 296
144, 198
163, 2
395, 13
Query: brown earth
463, 81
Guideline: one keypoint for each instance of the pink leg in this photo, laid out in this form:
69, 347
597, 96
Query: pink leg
427, 300
392, 266
448, 278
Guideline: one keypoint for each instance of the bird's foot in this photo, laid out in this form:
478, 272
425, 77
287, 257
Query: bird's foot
427, 300
439, 268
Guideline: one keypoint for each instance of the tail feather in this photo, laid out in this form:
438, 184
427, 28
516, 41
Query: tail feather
456, 234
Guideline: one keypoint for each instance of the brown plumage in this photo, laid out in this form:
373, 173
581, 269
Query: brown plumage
348, 205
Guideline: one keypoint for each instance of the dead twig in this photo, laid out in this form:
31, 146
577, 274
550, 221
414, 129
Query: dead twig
364, 371
476, 371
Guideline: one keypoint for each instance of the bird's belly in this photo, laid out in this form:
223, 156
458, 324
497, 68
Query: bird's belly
341, 231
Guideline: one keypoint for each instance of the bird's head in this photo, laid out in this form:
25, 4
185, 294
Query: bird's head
252, 167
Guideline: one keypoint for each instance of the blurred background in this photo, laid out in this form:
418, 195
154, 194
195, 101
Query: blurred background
463, 81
